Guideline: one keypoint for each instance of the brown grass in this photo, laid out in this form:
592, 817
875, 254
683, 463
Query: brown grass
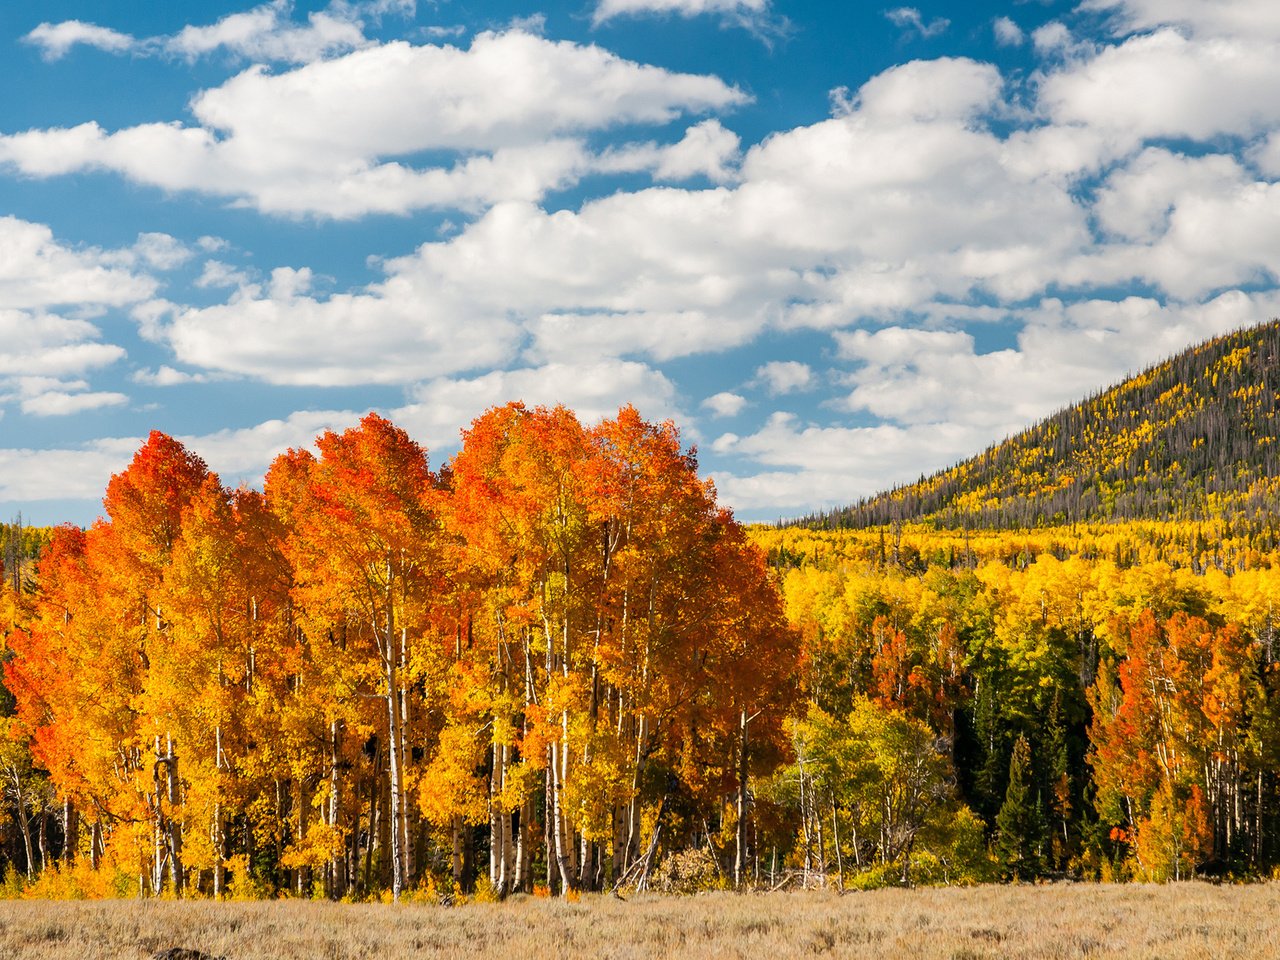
1061, 921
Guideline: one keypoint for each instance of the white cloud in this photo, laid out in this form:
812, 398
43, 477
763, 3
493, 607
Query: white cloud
943, 401
909, 18
167, 376
744, 11
781, 377
902, 199
266, 33
914, 377
38, 271
322, 139
1007, 33
57, 403
944, 89
1166, 85
443, 407
161, 251
43, 354
814, 466
1138, 200
29, 475
1190, 226
241, 455
55, 40
44, 344
438, 413
1051, 37
54, 396
1240, 18
725, 404
706, 150
215, 274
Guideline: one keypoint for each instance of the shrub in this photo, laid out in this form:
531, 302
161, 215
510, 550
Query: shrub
688, 871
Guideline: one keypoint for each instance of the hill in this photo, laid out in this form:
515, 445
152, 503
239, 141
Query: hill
1194, 437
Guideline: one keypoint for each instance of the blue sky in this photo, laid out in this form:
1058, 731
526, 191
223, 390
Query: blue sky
841, 244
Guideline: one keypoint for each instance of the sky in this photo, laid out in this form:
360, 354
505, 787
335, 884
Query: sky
840, 244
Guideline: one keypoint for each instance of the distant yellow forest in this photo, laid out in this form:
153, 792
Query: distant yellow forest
1106, 693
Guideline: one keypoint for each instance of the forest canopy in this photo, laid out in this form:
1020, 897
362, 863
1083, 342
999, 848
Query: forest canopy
556, 664
371, 675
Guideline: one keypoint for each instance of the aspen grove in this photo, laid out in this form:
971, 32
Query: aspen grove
371, 676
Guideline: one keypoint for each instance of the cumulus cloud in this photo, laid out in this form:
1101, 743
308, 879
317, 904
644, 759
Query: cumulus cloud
939, 400
55, 40
216, 273
909, 18
323, 139
1188, 225
781, 377
1007, 33
46, 355
443, 407
1064, 350
266, 33
725, 404
161, 251
1166, 85
237, 455
38, 271
58, 403
903, 198
30, 475
748, 13
241, 455
810, 466
706, 150
167, 376
1239, 18
435, 416
44, 344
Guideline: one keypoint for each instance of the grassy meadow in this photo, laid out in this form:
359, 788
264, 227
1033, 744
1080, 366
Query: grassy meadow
1031, 921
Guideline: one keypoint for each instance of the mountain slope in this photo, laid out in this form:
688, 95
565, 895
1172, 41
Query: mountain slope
1193, 437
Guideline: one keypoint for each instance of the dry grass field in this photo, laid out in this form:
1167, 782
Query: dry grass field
1062, 921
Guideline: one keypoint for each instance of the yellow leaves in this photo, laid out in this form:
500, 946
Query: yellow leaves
320, 846
450, 786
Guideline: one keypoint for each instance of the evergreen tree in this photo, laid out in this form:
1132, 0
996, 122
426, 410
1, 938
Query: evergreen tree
1058, 764
1019, 824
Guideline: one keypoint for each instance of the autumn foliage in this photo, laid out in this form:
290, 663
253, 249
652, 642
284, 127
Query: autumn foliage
556, 665
372, 676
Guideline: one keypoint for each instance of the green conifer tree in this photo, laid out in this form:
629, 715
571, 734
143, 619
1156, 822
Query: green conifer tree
1020, 823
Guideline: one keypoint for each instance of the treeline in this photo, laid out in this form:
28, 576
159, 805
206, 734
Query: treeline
1193, 438
527, 668
556, 665
1105, 719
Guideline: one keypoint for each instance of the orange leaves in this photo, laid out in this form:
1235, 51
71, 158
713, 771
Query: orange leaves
559, 607
1164, 749
146, 501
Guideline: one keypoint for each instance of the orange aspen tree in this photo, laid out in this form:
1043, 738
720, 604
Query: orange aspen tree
363, 542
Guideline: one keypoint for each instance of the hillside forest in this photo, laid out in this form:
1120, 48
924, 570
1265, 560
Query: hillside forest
555, 665
1192, 438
